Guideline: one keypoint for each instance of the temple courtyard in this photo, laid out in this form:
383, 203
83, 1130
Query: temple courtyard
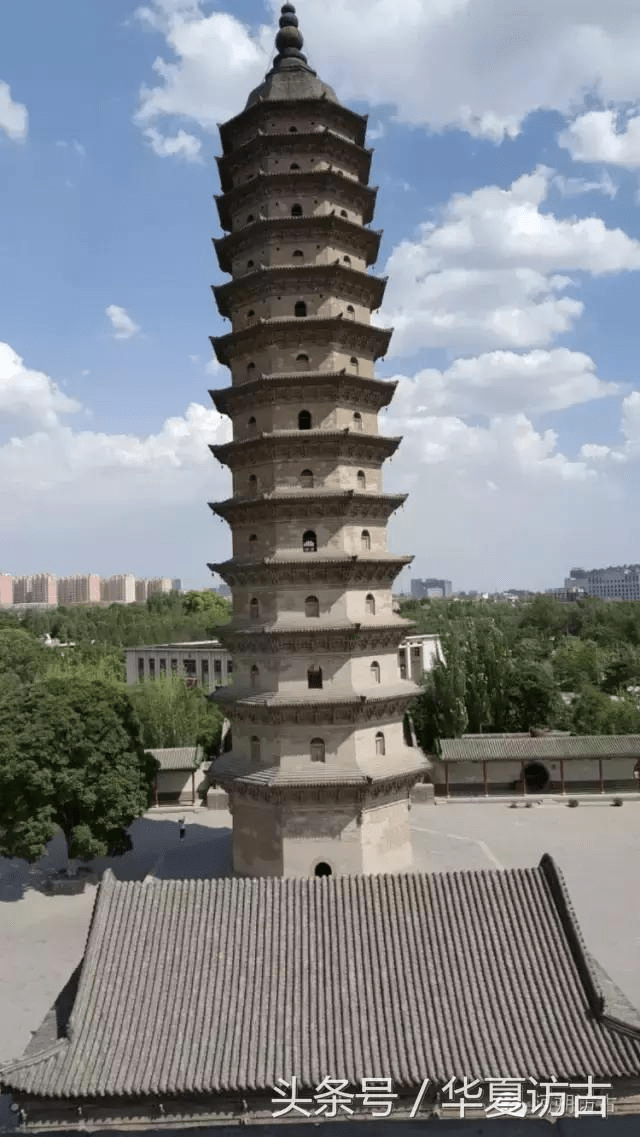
596, 846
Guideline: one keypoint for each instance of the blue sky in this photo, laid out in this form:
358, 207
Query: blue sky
507, 156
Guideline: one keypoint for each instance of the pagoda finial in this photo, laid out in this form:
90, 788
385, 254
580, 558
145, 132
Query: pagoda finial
289, 39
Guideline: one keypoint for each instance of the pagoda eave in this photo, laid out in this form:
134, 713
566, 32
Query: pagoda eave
348, 640
343, 506
263, 111
348, 283
345, 444
364, 242
331, 572
354, 390
275, 785
344, 187
322, 143
354, 708
350, 335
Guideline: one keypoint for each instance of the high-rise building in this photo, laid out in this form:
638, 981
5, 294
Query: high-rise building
38, 589
320, 773
120, 589
176, 585
6, 589
141, 591
159, 584
81, 589
430, 587
619, 582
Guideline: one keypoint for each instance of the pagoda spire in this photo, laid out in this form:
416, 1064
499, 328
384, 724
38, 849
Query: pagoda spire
289, 39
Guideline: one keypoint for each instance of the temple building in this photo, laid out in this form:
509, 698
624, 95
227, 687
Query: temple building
320, 774
323, 980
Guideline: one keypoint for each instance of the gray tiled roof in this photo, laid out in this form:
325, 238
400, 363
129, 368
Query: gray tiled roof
178, 757
550, 747
214, 986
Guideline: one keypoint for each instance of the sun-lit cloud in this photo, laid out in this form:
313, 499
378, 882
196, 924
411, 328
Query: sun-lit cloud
123, 327
14, 117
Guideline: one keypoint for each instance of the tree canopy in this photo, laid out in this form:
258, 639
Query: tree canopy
71, 756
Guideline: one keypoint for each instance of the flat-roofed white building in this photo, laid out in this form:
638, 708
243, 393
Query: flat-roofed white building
205, 663
418, 653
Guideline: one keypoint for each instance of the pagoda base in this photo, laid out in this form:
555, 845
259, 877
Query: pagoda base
304, 838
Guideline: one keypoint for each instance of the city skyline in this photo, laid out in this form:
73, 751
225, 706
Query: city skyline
511, 240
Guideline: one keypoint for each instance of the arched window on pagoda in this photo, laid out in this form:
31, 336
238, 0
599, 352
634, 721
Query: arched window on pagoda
347, 260
343, 213
254, 609
306, 479
365, 540
370, 604
309, 542
298, 254
253, 543
294, 166
253, 485
250, 218
318, 750
361, 480
304, 420
255, 748
293, 130
375, 671
296, 210
302, 360
357, 421
312, 606
251, 425
314, 678
380, 747
300, 308
250, 264
251, 367
251, 314
255, 677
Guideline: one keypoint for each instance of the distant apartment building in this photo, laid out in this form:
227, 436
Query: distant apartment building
141, 591
159, 584
38, 589
176, 585
83, 588
119, 589
619, 582
429, 588
203, 664
6, 589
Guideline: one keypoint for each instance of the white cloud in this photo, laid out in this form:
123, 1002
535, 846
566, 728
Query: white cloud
604, 136
490, 273
502, 383
28, 394
181, 145
217, 61
14, 118
573, 187
73, 145
629, 450
123, 326
445, 63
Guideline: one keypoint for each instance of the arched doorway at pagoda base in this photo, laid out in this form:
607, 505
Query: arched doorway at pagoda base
536, 777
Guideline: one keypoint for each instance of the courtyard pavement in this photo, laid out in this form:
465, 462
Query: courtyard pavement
596, 846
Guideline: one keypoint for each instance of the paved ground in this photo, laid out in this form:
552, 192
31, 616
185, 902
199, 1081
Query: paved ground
597, 847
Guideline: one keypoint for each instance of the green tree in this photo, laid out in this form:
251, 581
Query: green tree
440, 711
576, 662
71, 757
173, 714
622, 669
21, 654
534, 697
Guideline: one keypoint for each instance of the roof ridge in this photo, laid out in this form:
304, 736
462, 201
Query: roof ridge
573, 933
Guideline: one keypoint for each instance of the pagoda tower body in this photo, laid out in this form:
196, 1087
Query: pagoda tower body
320, 773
